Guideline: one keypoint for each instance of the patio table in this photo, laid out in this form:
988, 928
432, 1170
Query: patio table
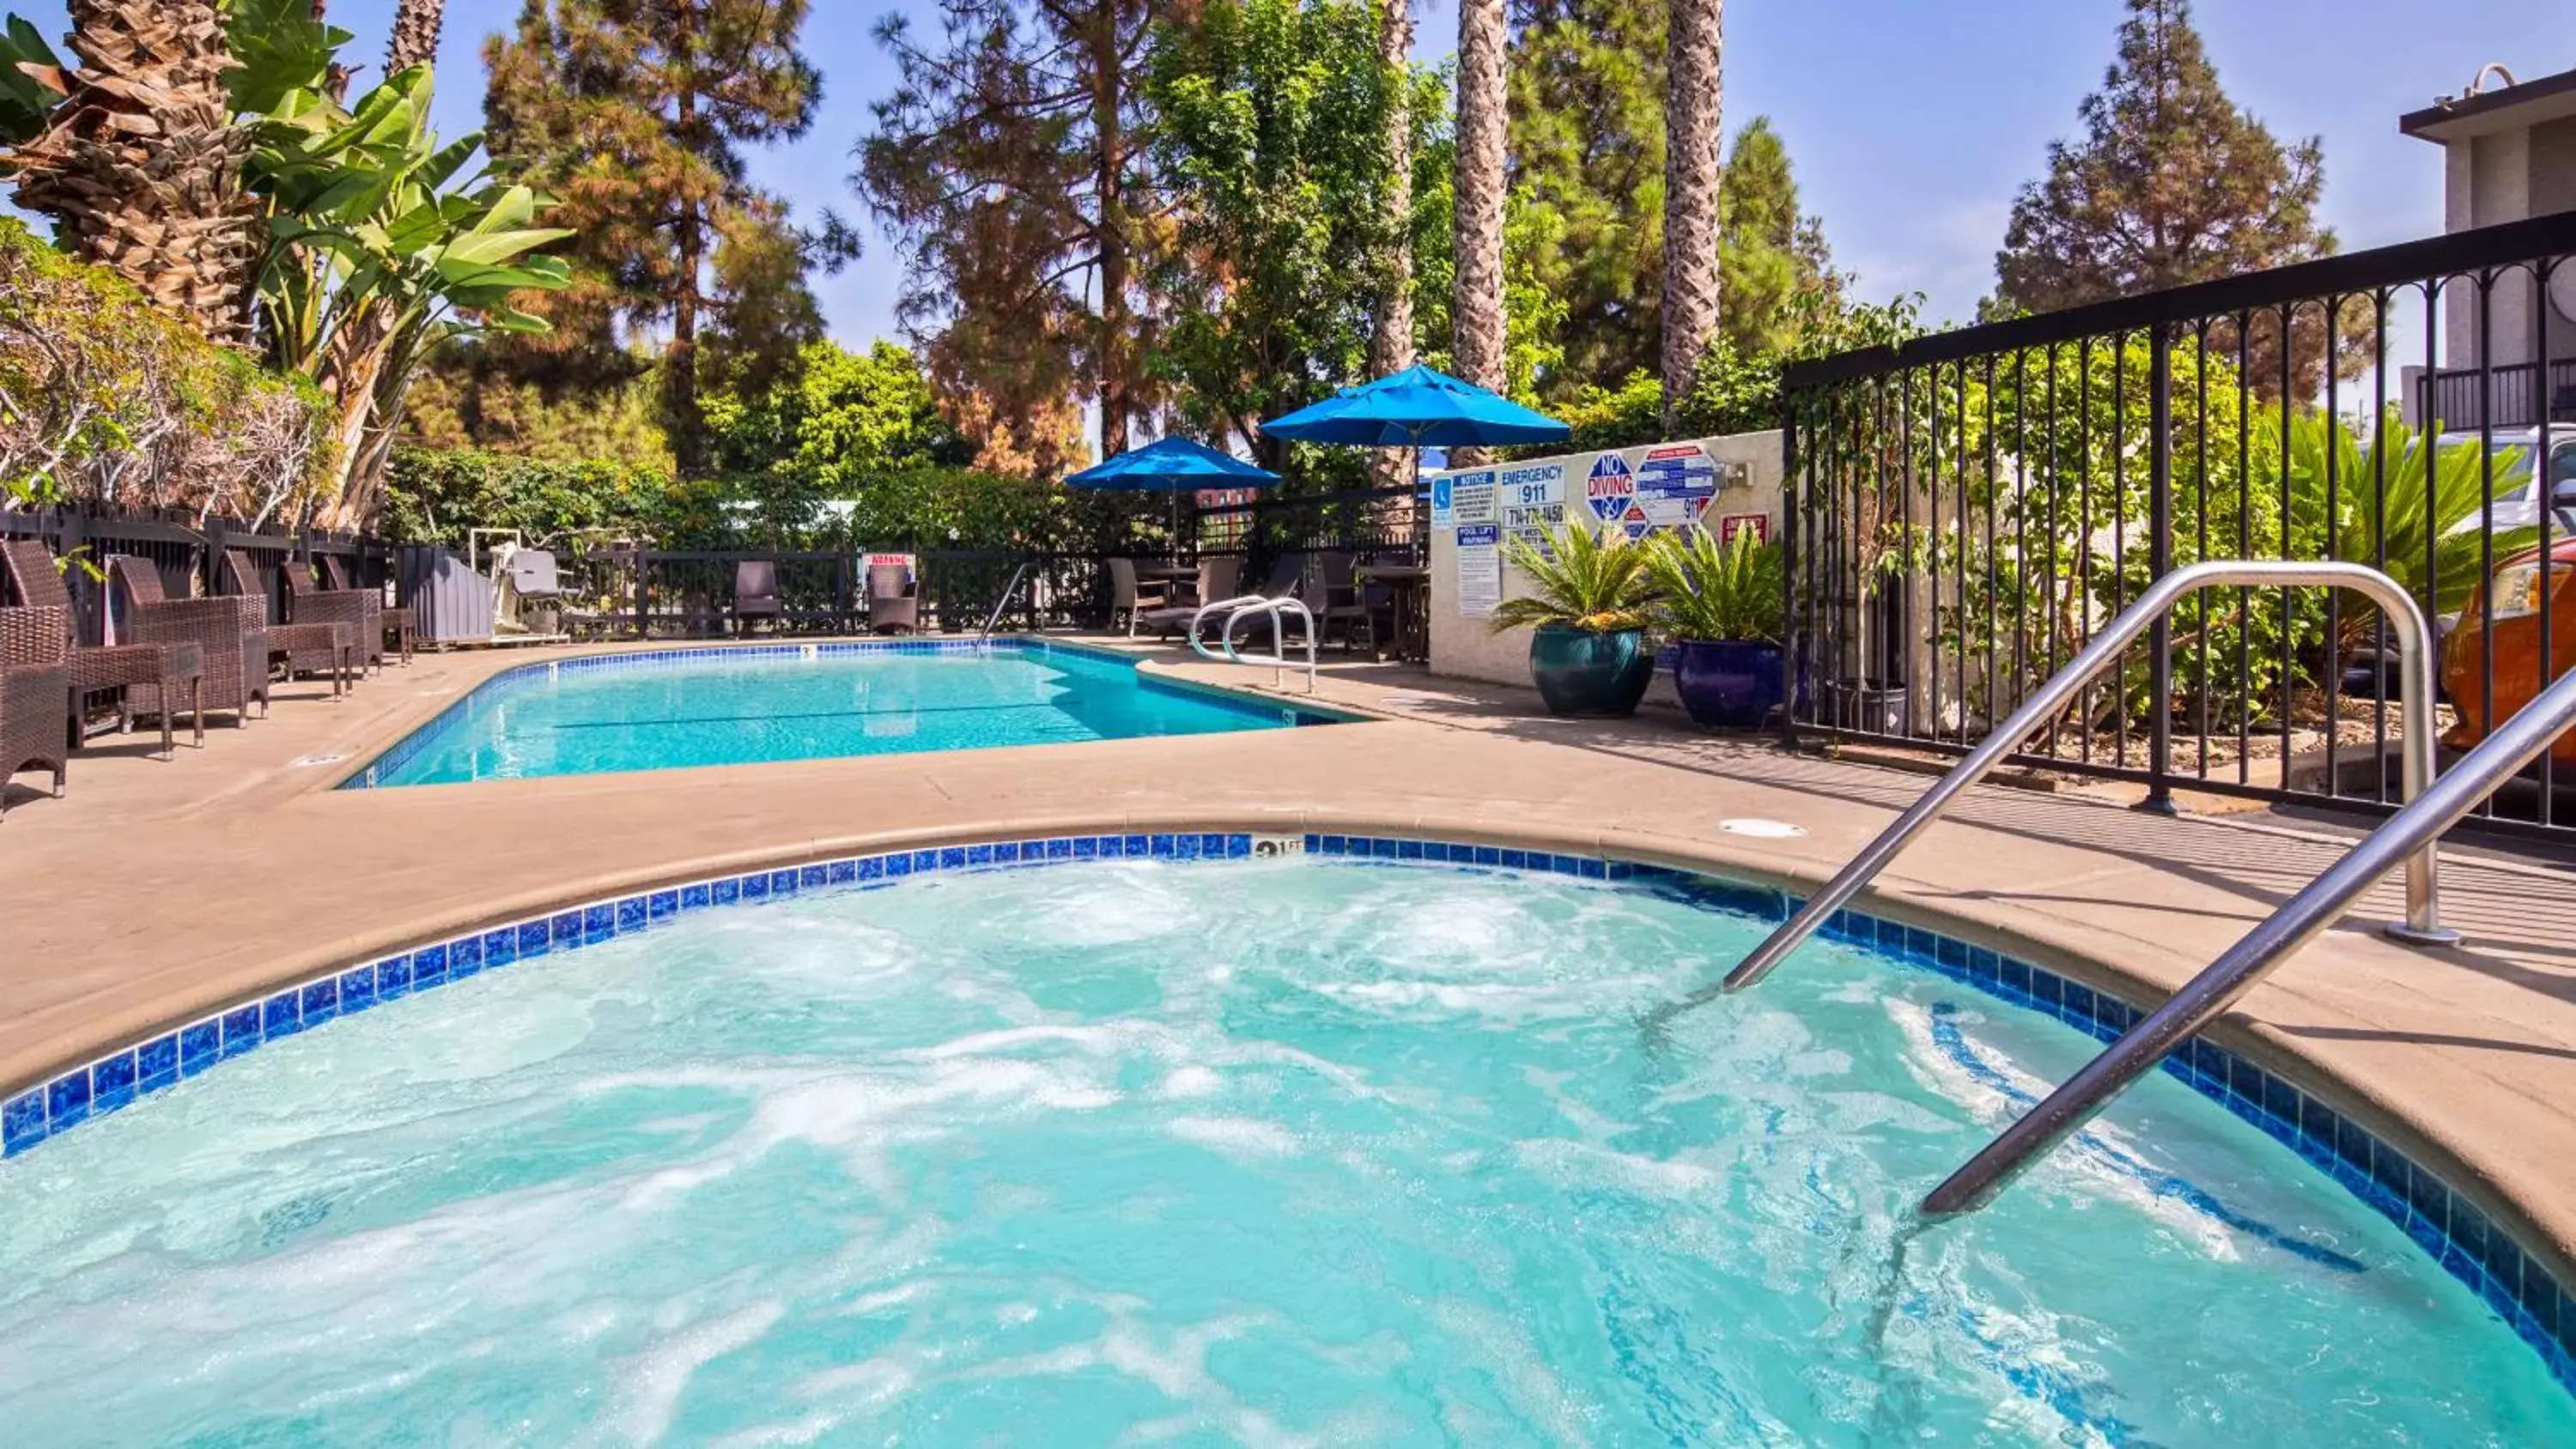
1409, 589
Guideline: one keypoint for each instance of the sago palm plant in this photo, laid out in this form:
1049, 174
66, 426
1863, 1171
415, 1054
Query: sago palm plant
1581, 579
1716, 591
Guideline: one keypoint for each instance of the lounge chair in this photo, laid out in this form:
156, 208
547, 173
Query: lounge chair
1286, 580
169, 669
892, 602
396, 621
312, 645
232, 631
1216, 582
34, 683
362, 609
1128, 595
755, 595
1333, 593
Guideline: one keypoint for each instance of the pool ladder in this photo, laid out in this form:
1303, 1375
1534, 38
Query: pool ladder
995, 618
2412, 835
1257, 606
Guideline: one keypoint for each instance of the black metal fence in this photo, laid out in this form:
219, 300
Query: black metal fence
187, 552
1036, 583
1968, 509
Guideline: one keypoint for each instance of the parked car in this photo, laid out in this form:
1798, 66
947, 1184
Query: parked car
2518, 491
2525, 589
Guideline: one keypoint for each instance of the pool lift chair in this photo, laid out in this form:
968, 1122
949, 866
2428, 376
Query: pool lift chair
528, 595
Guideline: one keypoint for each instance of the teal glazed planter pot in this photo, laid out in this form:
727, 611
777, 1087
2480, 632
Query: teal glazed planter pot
1591, 672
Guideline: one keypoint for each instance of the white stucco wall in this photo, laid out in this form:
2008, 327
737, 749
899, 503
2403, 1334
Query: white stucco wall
1747, 471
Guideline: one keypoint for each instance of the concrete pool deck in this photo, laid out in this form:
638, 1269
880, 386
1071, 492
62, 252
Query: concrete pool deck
159, 891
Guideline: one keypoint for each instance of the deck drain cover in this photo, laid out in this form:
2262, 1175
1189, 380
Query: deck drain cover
306, 762
1765, 829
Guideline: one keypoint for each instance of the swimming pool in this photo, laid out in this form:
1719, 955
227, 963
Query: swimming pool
1247, 1151
743, 704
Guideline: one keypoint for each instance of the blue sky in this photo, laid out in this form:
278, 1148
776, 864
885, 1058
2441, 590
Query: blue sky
1911, 123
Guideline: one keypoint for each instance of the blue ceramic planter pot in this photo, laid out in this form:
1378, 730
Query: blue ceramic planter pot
1590, 672
1728, 684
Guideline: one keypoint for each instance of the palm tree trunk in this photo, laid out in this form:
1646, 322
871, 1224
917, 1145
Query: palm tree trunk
1476, 306
416, 27
1391, 340
1692, 93
1109, 137
142, 163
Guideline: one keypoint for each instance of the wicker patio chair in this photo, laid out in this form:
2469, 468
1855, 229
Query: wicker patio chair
325, 644
34, 683
396, 632
170, 669
363, 607
893, 603
231, 632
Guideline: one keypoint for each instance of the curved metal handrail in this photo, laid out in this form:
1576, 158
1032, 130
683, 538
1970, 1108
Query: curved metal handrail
2412, 830
2423, 924
1257, 606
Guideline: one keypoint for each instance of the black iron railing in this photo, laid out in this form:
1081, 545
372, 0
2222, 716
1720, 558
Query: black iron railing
1966, 509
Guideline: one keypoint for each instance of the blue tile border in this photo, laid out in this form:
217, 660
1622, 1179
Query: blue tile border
1270, 711
2450, 1229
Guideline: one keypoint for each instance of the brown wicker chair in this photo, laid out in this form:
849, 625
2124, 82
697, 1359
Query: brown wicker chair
362, 609
232, 633
34, 683
321, 637
170, 670
395, 621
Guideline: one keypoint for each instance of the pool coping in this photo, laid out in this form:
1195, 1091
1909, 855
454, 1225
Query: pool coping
2478, 1248
407, 745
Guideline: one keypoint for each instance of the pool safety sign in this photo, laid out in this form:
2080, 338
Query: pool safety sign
1533, 501
1480, 569
1471, 498
1759, 524
1612, 489
1675, 485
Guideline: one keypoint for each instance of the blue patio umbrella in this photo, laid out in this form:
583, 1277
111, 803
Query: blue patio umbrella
1174, 465
1417, 408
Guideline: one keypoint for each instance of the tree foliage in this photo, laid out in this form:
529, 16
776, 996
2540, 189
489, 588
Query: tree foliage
635, 114
1012, 163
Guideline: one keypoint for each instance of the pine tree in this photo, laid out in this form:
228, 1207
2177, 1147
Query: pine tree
1768, 254
1012, 163
2172, 183
635, 114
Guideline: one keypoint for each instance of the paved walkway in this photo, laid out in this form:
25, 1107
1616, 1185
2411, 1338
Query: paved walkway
159, 891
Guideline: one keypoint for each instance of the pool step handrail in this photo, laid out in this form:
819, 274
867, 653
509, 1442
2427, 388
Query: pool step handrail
1004, 602
2423, 923
1257, 606
2503, 754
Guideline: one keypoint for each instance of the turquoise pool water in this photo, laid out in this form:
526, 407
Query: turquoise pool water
742, 705
1251, 1152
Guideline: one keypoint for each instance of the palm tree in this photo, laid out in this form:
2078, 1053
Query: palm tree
416, 27
141, 164
1391, 339
1476, 305
1692, 92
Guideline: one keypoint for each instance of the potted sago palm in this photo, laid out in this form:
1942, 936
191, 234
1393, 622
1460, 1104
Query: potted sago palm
1721, 602
1587, 611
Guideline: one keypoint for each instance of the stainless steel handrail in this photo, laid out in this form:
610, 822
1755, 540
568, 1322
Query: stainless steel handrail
1003, 602
2423, 923
1255, 606
2065, 1111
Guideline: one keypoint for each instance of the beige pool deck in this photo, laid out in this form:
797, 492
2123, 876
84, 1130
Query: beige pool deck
159, 891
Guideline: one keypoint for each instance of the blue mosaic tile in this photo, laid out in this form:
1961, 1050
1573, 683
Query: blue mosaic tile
784, 883
842, 873
201, 1045
980, 855
66, 1101
632, 914
1110, 847
357, 990
241, 1030
872, 867
321, 1001
22, 1122
156, 1063
428, 967
281, 1015
393, 978
598, 923
563, 931
112, 1082
898, 865
1055, 850
1086, 847
535, 938
696, 897
925, 861
1138, 846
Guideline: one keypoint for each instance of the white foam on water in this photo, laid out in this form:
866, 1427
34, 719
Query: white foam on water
645, 1393
1580, 1164
1188, 1084
1237, 1137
